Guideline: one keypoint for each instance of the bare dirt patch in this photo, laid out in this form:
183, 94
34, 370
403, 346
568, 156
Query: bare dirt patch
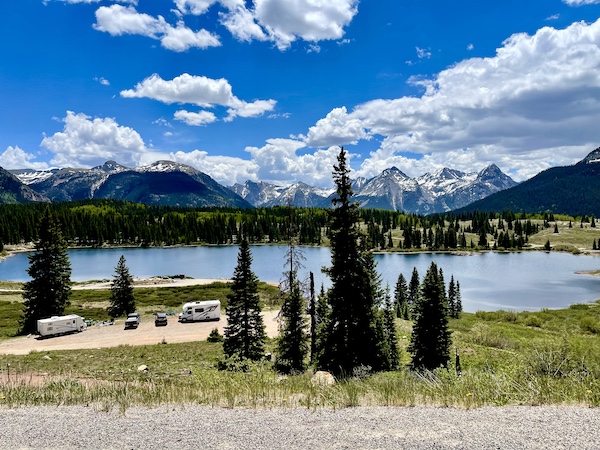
147, 333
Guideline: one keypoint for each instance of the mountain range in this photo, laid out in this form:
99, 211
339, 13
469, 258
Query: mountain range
175, 184
573, 190
12, 190
440, 191
163, 183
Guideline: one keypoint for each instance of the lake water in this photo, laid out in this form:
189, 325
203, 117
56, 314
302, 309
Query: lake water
488, 281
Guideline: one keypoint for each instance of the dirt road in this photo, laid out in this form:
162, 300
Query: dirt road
115, 335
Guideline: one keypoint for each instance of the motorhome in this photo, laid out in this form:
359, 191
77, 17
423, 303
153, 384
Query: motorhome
201, 311
57, 325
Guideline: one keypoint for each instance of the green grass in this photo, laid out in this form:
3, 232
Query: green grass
567, 239
550, 357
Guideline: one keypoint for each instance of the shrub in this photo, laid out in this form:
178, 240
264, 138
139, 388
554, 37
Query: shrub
590, 325
482, 334
533, 321
215, 336
497, 316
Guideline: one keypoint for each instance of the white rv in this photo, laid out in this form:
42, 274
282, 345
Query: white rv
196, 311
60, 325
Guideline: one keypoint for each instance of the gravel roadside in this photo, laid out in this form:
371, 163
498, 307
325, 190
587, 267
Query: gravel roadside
194, 427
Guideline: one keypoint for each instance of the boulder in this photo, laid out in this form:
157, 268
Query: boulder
322, 378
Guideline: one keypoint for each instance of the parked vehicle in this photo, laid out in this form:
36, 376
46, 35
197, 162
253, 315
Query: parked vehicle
133, 321
160, 319
58, 325
201, 311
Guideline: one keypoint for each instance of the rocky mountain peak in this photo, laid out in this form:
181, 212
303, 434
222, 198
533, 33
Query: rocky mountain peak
593, 157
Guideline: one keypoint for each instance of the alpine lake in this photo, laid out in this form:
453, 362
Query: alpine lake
489, 281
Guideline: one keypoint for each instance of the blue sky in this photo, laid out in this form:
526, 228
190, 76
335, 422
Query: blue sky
269, 89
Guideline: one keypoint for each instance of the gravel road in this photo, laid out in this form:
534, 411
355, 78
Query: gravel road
199, 427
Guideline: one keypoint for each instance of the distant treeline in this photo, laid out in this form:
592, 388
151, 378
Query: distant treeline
115, 222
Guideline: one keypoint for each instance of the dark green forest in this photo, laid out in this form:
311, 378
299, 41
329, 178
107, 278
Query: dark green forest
115, 222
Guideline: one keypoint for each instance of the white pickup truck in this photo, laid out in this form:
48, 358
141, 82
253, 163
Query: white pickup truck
132, 321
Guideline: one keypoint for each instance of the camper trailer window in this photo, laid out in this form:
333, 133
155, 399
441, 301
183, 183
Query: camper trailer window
49, 328
199, 309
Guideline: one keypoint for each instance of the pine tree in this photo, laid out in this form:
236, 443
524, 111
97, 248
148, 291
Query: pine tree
323, 313
458, 305
292, 345
401, 298
391, 360
314, 320
555, 228
452, 309
244, 335
413, 290
122, 300
482, 238
430, 339
47, 294
351, 340
547, 245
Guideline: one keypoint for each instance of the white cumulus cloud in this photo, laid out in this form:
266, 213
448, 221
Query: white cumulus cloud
278, 161
17, 158
118, 20
539, 95
279, 21
581, 2
195, 119
226, 170
310, 20
198, 90
86, 142
336, 128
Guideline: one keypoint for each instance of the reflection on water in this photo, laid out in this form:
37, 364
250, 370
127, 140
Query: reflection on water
488, 281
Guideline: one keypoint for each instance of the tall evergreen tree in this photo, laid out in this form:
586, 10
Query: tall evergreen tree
452, 310
292, 346
47, 294
458, 305
122, 300
401, 298
430, 339
413, 290
244, 335
351, 340
323, 313
312, 312
391, 360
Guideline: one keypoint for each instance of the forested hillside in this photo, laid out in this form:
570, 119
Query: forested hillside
115, 222
98, 222
573, 190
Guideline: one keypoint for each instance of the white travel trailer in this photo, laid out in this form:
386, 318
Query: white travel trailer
197, 311
56, 325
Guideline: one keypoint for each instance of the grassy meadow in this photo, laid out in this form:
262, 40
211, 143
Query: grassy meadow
550, 357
